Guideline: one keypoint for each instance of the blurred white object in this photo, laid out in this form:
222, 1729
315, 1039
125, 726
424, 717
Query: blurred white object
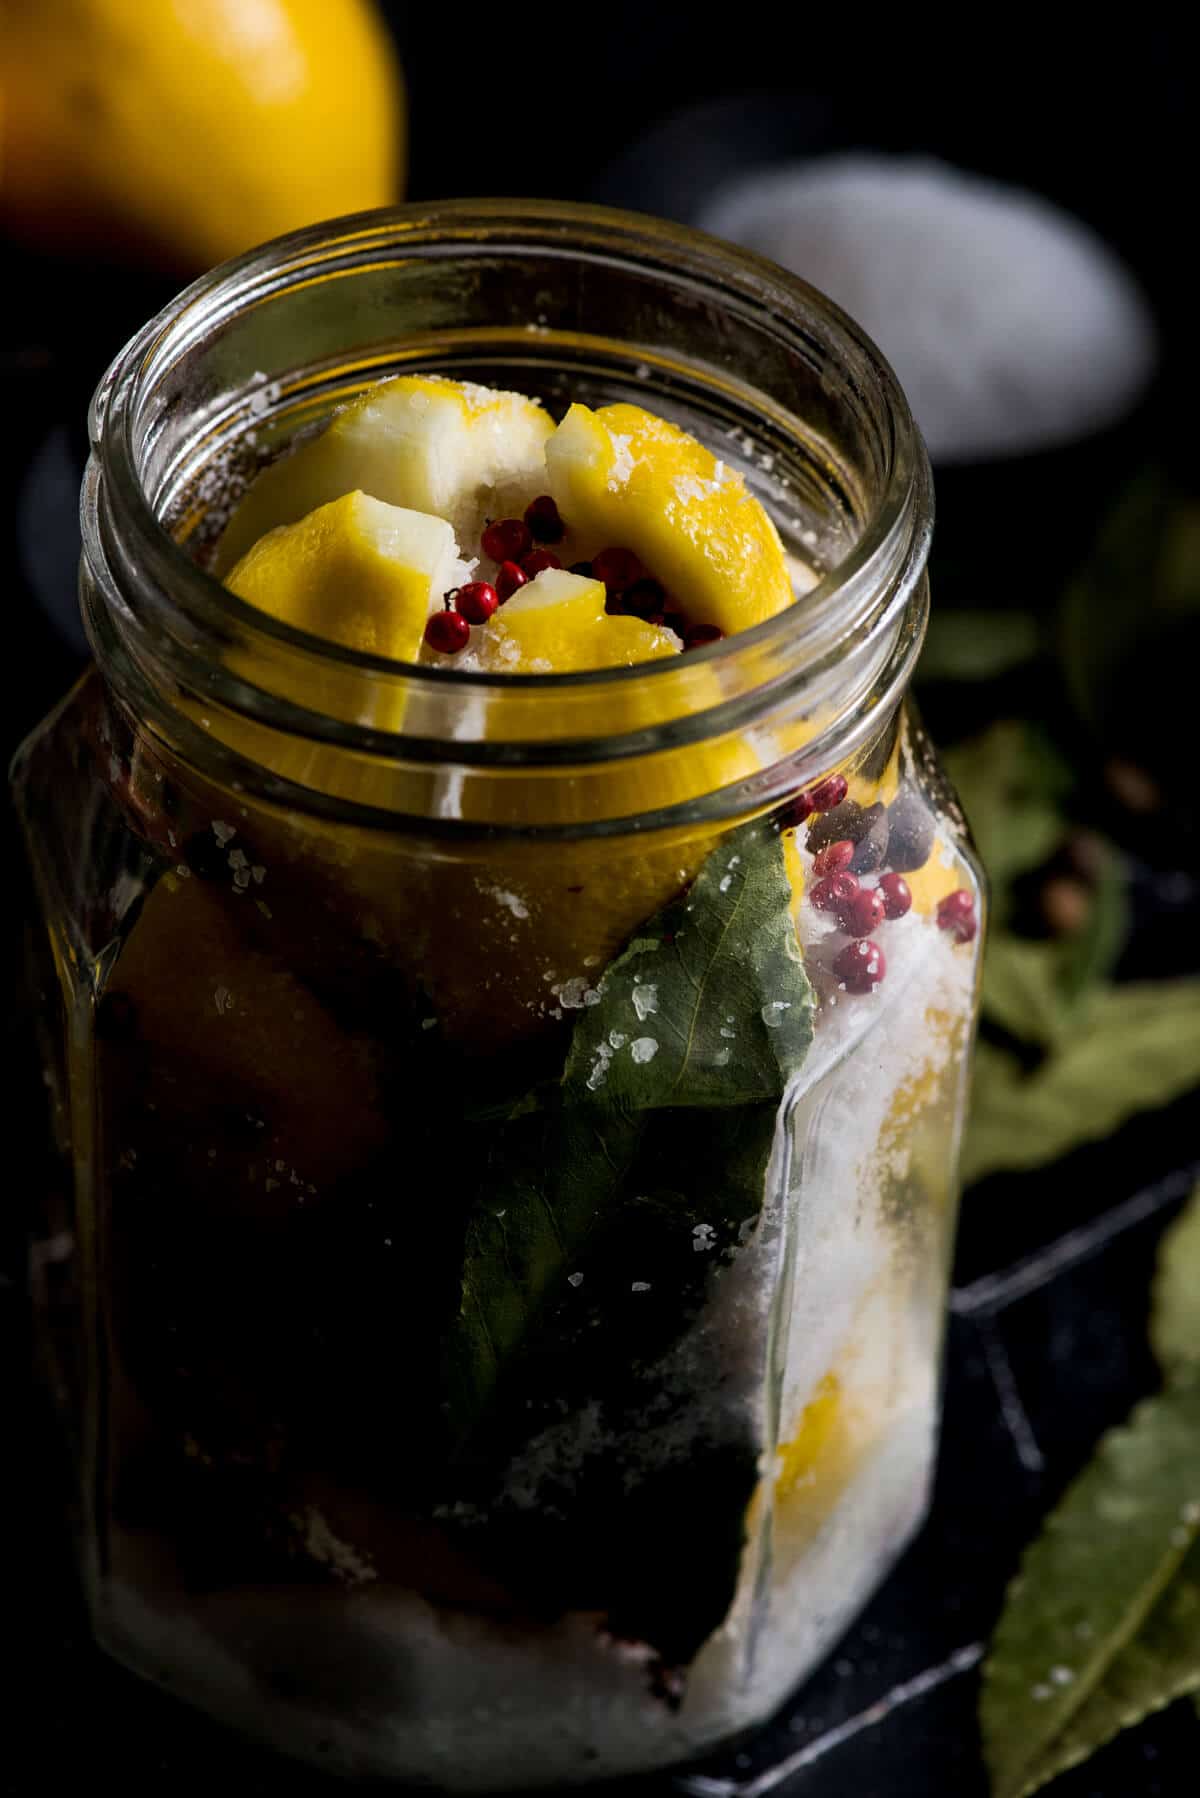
1009, 323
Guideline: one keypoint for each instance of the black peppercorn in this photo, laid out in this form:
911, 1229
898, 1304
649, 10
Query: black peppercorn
911, 831
871, 850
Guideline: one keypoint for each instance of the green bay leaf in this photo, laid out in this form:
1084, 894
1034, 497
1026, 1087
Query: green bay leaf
1175, 1306
1063, 1674
1132, 1047
541, 1184
710, 1005
1013, 785
1159, 1665
1037, 989
1091, 953
716, 983
1022, 990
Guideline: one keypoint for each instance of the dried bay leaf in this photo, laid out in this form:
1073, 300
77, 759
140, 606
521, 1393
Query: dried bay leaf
1097, 1629
1013, 785
598, 1221
710, 1004
1037, 990
1160, 1664
710, 1007
1175, 1304
1022, 991
1133, 1047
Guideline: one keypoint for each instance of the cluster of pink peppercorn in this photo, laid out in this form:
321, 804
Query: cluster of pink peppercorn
860, 909
510, 543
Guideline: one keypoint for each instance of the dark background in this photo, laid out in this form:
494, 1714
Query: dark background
651, 107
648, 107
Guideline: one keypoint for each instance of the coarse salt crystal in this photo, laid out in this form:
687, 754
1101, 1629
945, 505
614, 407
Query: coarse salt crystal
622, 462
510, 901
645, 1000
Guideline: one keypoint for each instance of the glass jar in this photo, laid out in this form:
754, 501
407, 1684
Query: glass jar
498, 1303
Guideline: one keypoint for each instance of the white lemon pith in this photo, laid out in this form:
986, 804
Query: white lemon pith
445, 447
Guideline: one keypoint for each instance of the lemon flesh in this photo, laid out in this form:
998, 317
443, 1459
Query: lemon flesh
623, 477
448, 448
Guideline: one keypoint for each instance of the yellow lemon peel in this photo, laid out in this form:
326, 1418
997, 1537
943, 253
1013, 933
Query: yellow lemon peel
189, 132
624, 478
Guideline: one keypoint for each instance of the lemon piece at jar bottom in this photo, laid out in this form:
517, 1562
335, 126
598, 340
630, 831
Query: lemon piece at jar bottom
820, 1420
225, 1028
913, 1094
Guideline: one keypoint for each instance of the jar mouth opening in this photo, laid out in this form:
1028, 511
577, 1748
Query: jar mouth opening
738, 274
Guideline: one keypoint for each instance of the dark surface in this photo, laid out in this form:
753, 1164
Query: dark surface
1038, 1366
1047, 1348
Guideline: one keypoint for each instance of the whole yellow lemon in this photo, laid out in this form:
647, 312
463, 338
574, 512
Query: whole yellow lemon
188, 130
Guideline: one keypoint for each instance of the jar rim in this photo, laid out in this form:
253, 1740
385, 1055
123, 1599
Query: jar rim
866, 588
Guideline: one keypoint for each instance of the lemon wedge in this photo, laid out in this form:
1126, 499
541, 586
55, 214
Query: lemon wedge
445, 447
557, 624
229, 1025
623, 477
356, 571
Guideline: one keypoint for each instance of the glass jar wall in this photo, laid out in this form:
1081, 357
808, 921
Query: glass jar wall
511, 1184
